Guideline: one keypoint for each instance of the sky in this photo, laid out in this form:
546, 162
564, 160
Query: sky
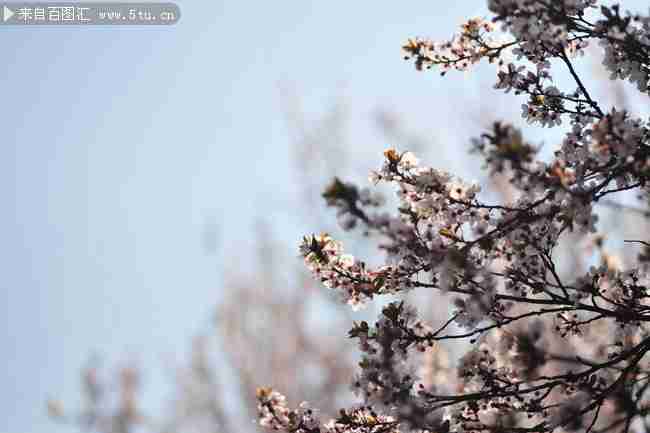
120, 143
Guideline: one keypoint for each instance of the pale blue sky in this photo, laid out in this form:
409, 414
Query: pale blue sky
119, 142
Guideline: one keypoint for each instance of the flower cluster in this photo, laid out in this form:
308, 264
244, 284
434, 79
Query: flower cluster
626, 42
541, 26
274, 414
356, 283
466, 48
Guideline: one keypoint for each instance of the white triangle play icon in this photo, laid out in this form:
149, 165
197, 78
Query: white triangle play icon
7, 14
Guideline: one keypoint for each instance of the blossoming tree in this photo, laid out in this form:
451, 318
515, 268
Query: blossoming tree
545, 351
